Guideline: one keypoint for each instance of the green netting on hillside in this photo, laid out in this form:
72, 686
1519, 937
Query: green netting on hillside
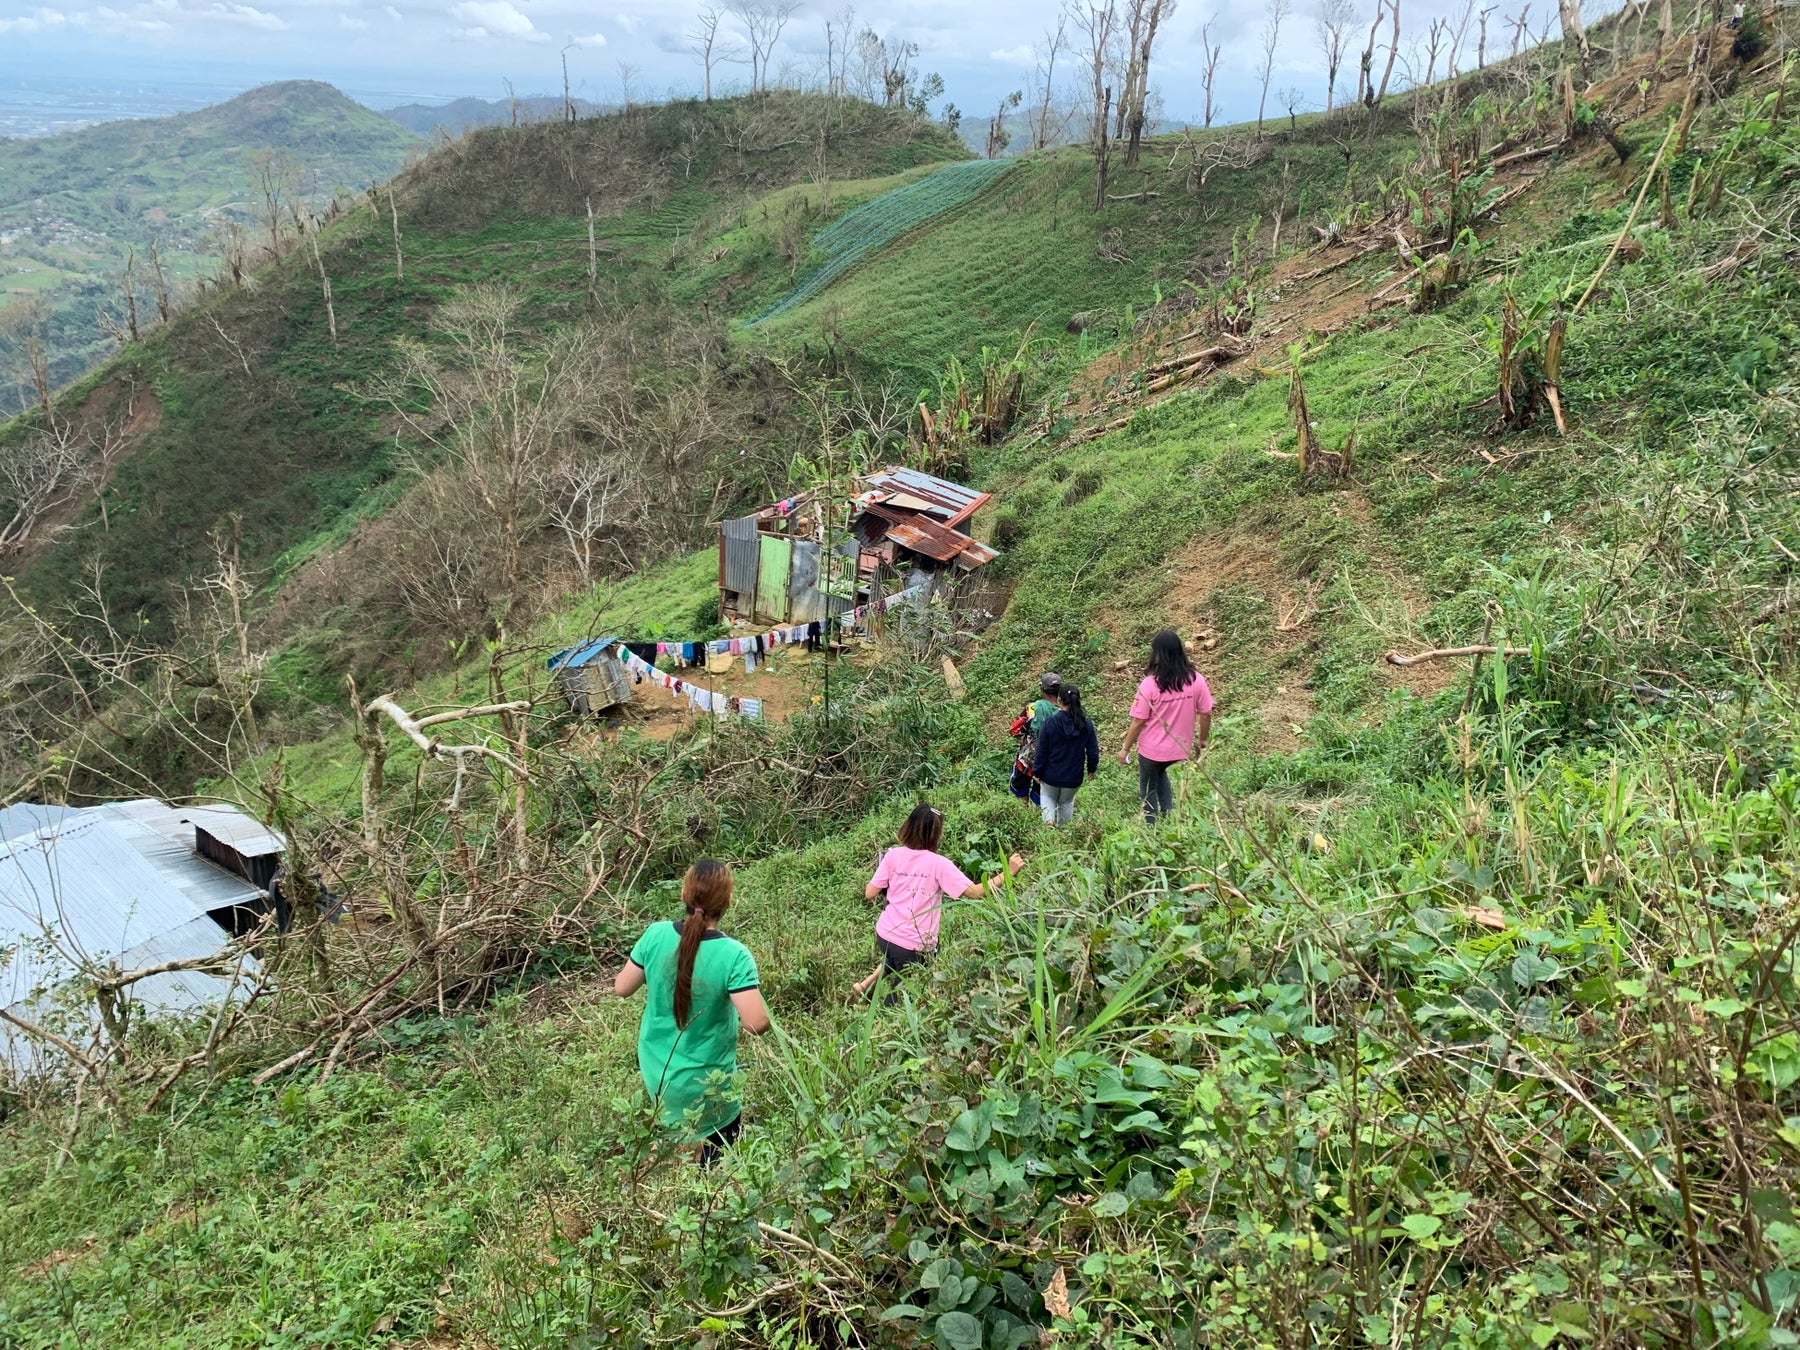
857, 234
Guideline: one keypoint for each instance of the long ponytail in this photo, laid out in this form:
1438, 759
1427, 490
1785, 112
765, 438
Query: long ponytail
706, 893
1071, 701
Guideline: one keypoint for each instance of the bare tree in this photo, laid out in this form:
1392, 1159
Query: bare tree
131, 314
1293, 99
312, 235
1275, 13
1365, 70
1332, 25
1209, 67
1518, 27
1376, 95
25, 333
272, 175
1665, 25
163, 304
1481, 45
1452, 69
394, 217
763, 21
38, 474
1053, 43
1099, 22
1575, 36
628, 74
1144, 18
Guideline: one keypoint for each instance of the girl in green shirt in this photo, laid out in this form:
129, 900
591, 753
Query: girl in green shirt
702, 987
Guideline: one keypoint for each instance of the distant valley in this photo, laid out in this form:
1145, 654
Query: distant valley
79, 208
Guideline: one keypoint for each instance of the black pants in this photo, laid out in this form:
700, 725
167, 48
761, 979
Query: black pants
719, 1140
1154, 788
894, 959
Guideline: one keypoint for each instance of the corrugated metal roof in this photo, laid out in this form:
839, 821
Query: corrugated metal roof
926, 537
951, 503
206, 886
579, 655
23, 818
82, 890
176, 824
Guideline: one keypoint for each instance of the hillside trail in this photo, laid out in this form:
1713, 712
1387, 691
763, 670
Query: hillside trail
1355, 281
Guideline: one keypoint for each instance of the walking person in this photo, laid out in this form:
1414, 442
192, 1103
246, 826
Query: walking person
1027, 727
1171, 720
1068, 754
918, 879
702, 987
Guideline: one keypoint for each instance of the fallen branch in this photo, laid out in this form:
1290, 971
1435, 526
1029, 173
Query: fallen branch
1630, 220
1520, 156
1443, 653
414, 728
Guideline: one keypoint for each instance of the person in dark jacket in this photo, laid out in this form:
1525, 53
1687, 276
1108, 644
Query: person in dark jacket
1068, 753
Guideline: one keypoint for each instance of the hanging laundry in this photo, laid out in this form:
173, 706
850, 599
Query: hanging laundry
749, 662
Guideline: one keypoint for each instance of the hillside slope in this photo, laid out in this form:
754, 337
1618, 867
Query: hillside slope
73, 205
1455, 1004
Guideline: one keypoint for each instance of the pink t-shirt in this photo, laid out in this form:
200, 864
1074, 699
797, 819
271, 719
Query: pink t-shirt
917, 882
1168, 719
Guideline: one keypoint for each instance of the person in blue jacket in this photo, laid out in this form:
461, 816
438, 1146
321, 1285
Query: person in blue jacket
1068, 754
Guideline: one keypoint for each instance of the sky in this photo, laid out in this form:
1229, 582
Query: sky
394, 51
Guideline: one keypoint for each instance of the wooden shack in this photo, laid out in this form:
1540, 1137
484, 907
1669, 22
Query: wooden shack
901, 528
590, 677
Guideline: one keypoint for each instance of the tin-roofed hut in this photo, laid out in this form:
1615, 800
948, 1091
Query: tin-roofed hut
590, 677
905, 528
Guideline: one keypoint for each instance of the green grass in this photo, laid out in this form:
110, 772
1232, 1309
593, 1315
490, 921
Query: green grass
1254, 1076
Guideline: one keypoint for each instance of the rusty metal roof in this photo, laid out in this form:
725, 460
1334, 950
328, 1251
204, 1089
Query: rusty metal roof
950, 503
926, 537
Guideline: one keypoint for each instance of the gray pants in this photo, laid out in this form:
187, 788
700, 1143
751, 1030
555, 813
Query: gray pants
1057, 803
1154, 787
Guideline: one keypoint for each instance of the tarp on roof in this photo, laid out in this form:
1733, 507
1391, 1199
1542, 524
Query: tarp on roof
573, 658
949, 503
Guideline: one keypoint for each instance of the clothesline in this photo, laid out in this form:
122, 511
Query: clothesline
637, 656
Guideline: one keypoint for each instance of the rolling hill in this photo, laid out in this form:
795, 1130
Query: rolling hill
1454, 1004
73, 205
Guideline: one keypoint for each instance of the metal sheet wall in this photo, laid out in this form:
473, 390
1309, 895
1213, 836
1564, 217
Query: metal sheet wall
738, 543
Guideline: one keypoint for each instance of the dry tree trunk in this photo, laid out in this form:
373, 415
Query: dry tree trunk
162, 284
399, 258
131, 315
324, 281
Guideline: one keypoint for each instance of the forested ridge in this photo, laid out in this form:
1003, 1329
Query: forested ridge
1454, 1003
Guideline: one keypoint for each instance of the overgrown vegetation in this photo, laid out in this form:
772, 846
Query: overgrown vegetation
1455, 1005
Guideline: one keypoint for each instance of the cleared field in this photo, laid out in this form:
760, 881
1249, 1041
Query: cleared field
858, 235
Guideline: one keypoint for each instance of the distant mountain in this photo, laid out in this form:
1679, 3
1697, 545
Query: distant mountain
465, 114
73, 206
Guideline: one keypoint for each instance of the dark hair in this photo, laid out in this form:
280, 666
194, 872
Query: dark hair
924, 829
1071, 701
706, 893
1169, 665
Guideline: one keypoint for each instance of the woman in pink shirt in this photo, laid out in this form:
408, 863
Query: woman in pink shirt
1171, 719
917, 879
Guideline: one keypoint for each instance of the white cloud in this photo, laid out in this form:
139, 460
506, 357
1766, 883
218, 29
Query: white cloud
36, 22
346, 21
162, 16
391, 12
591, 40
1021, 55
495, 18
